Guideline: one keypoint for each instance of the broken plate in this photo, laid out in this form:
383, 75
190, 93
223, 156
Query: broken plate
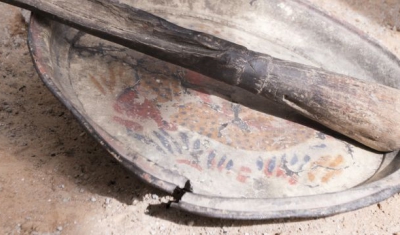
219, 150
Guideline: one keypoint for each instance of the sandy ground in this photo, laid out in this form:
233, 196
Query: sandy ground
55, 179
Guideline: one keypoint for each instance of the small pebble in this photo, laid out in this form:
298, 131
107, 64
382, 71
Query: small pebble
93, 199
190, 223
59, 228
108, 200
135, 202
154, 196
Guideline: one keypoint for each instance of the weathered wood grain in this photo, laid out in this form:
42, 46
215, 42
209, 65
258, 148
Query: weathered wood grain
366, 112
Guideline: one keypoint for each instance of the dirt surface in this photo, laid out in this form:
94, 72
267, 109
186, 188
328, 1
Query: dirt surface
55, 179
